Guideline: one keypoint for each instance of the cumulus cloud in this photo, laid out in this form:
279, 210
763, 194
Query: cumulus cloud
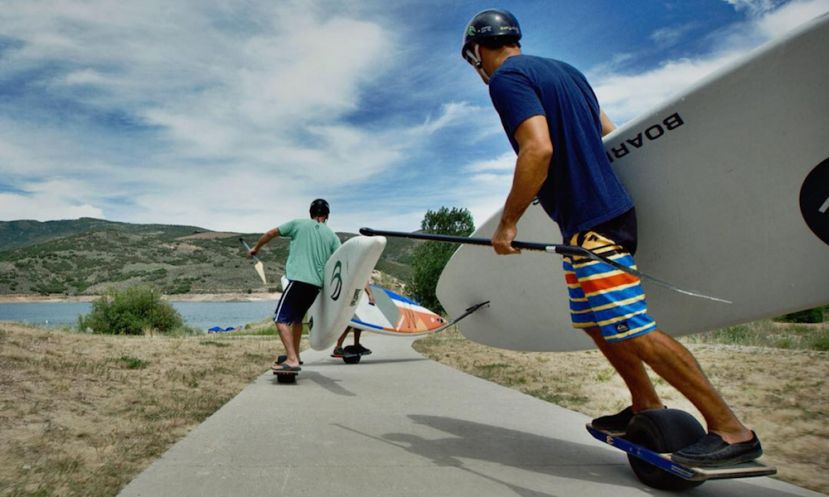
626, 95
218, 96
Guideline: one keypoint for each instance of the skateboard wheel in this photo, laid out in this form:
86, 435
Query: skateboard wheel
663, 431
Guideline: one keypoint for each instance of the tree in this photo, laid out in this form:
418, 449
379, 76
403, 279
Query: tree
431, 257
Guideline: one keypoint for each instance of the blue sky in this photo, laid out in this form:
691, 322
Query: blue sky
234, 115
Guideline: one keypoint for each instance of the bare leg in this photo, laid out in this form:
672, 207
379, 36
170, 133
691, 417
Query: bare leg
342, 338
673, 362
297, 336
286, 334
630, 368
357, 334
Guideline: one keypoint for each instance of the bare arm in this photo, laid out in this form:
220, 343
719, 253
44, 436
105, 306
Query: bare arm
607, 124
534, 153
264, 239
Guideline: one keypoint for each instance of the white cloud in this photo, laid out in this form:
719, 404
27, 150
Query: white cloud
624, 96
246, 99
504, 162
753, 7
790, 16
670, 36
48, 200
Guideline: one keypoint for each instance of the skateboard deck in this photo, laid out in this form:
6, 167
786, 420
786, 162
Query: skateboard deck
664, 462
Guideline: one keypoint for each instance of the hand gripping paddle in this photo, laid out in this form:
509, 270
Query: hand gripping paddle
260, 268
569, 250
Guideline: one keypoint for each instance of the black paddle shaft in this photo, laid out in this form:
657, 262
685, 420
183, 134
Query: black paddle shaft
570, 250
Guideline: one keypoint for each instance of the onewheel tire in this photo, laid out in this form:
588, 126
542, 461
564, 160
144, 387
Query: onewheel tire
350, 355
662, 430
286, 378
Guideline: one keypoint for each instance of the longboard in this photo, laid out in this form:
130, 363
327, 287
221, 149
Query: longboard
731, 185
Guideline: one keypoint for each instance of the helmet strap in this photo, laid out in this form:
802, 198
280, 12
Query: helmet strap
473, 56
479, 65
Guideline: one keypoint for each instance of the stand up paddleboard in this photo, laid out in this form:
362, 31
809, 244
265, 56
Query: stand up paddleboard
346, 275
731, 185
650, 438
395, 315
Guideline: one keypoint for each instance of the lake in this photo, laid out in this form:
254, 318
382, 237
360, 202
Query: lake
201, 315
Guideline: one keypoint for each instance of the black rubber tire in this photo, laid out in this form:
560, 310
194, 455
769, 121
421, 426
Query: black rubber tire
350, 355
286, 378
662, 430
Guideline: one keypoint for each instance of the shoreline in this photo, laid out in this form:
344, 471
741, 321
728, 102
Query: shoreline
24, 298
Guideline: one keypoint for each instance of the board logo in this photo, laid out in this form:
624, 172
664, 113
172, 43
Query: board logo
337, 280
814, 201
651, 133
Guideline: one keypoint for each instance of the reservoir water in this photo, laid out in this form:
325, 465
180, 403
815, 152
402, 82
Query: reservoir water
201, 315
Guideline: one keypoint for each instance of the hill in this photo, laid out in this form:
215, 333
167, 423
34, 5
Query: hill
88, 256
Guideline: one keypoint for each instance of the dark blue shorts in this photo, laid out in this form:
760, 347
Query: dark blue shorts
295, 302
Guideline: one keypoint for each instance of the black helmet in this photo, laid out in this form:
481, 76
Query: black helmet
491, 27
319, 207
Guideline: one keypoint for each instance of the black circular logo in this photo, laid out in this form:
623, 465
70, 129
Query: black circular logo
814, 201
337, 280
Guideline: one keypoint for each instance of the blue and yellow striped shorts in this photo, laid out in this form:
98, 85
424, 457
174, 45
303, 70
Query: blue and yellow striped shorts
602, 296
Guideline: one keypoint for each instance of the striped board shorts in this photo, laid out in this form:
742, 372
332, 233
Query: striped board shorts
605, 297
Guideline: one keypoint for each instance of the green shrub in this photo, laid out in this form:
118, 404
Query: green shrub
130, 312
808, 316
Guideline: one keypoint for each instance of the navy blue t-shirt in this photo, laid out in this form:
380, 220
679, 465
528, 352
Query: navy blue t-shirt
581, 190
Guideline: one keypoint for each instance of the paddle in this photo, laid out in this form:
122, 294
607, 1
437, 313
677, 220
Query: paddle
569, 250
260, 268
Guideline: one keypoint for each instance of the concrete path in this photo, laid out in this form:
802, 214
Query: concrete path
398, 424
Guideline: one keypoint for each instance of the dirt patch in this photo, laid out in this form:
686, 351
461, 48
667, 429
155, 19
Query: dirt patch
84, 414
781, 394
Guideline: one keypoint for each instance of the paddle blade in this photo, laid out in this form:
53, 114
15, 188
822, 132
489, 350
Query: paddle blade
260, 269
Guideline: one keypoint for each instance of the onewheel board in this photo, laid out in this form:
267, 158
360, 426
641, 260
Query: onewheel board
394, 314
346, 275
731, 185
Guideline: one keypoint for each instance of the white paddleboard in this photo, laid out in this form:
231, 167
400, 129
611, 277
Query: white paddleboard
346, 275
390, 314
731, 186
395, 315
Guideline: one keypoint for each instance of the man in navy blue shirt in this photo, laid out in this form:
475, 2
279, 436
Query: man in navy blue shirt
553, 121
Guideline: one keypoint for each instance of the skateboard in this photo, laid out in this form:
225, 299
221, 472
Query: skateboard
650, 438
285, 376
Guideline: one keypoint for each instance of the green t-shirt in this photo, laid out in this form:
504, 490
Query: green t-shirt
312, 243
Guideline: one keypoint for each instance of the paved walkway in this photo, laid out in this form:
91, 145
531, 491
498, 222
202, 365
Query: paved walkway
398, 424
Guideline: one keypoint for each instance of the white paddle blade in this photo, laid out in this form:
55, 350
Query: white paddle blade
260, 269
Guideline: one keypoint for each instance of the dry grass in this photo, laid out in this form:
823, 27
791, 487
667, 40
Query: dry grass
84, 414
781, 394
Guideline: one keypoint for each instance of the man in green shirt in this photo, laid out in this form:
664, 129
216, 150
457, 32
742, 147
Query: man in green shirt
312, 244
